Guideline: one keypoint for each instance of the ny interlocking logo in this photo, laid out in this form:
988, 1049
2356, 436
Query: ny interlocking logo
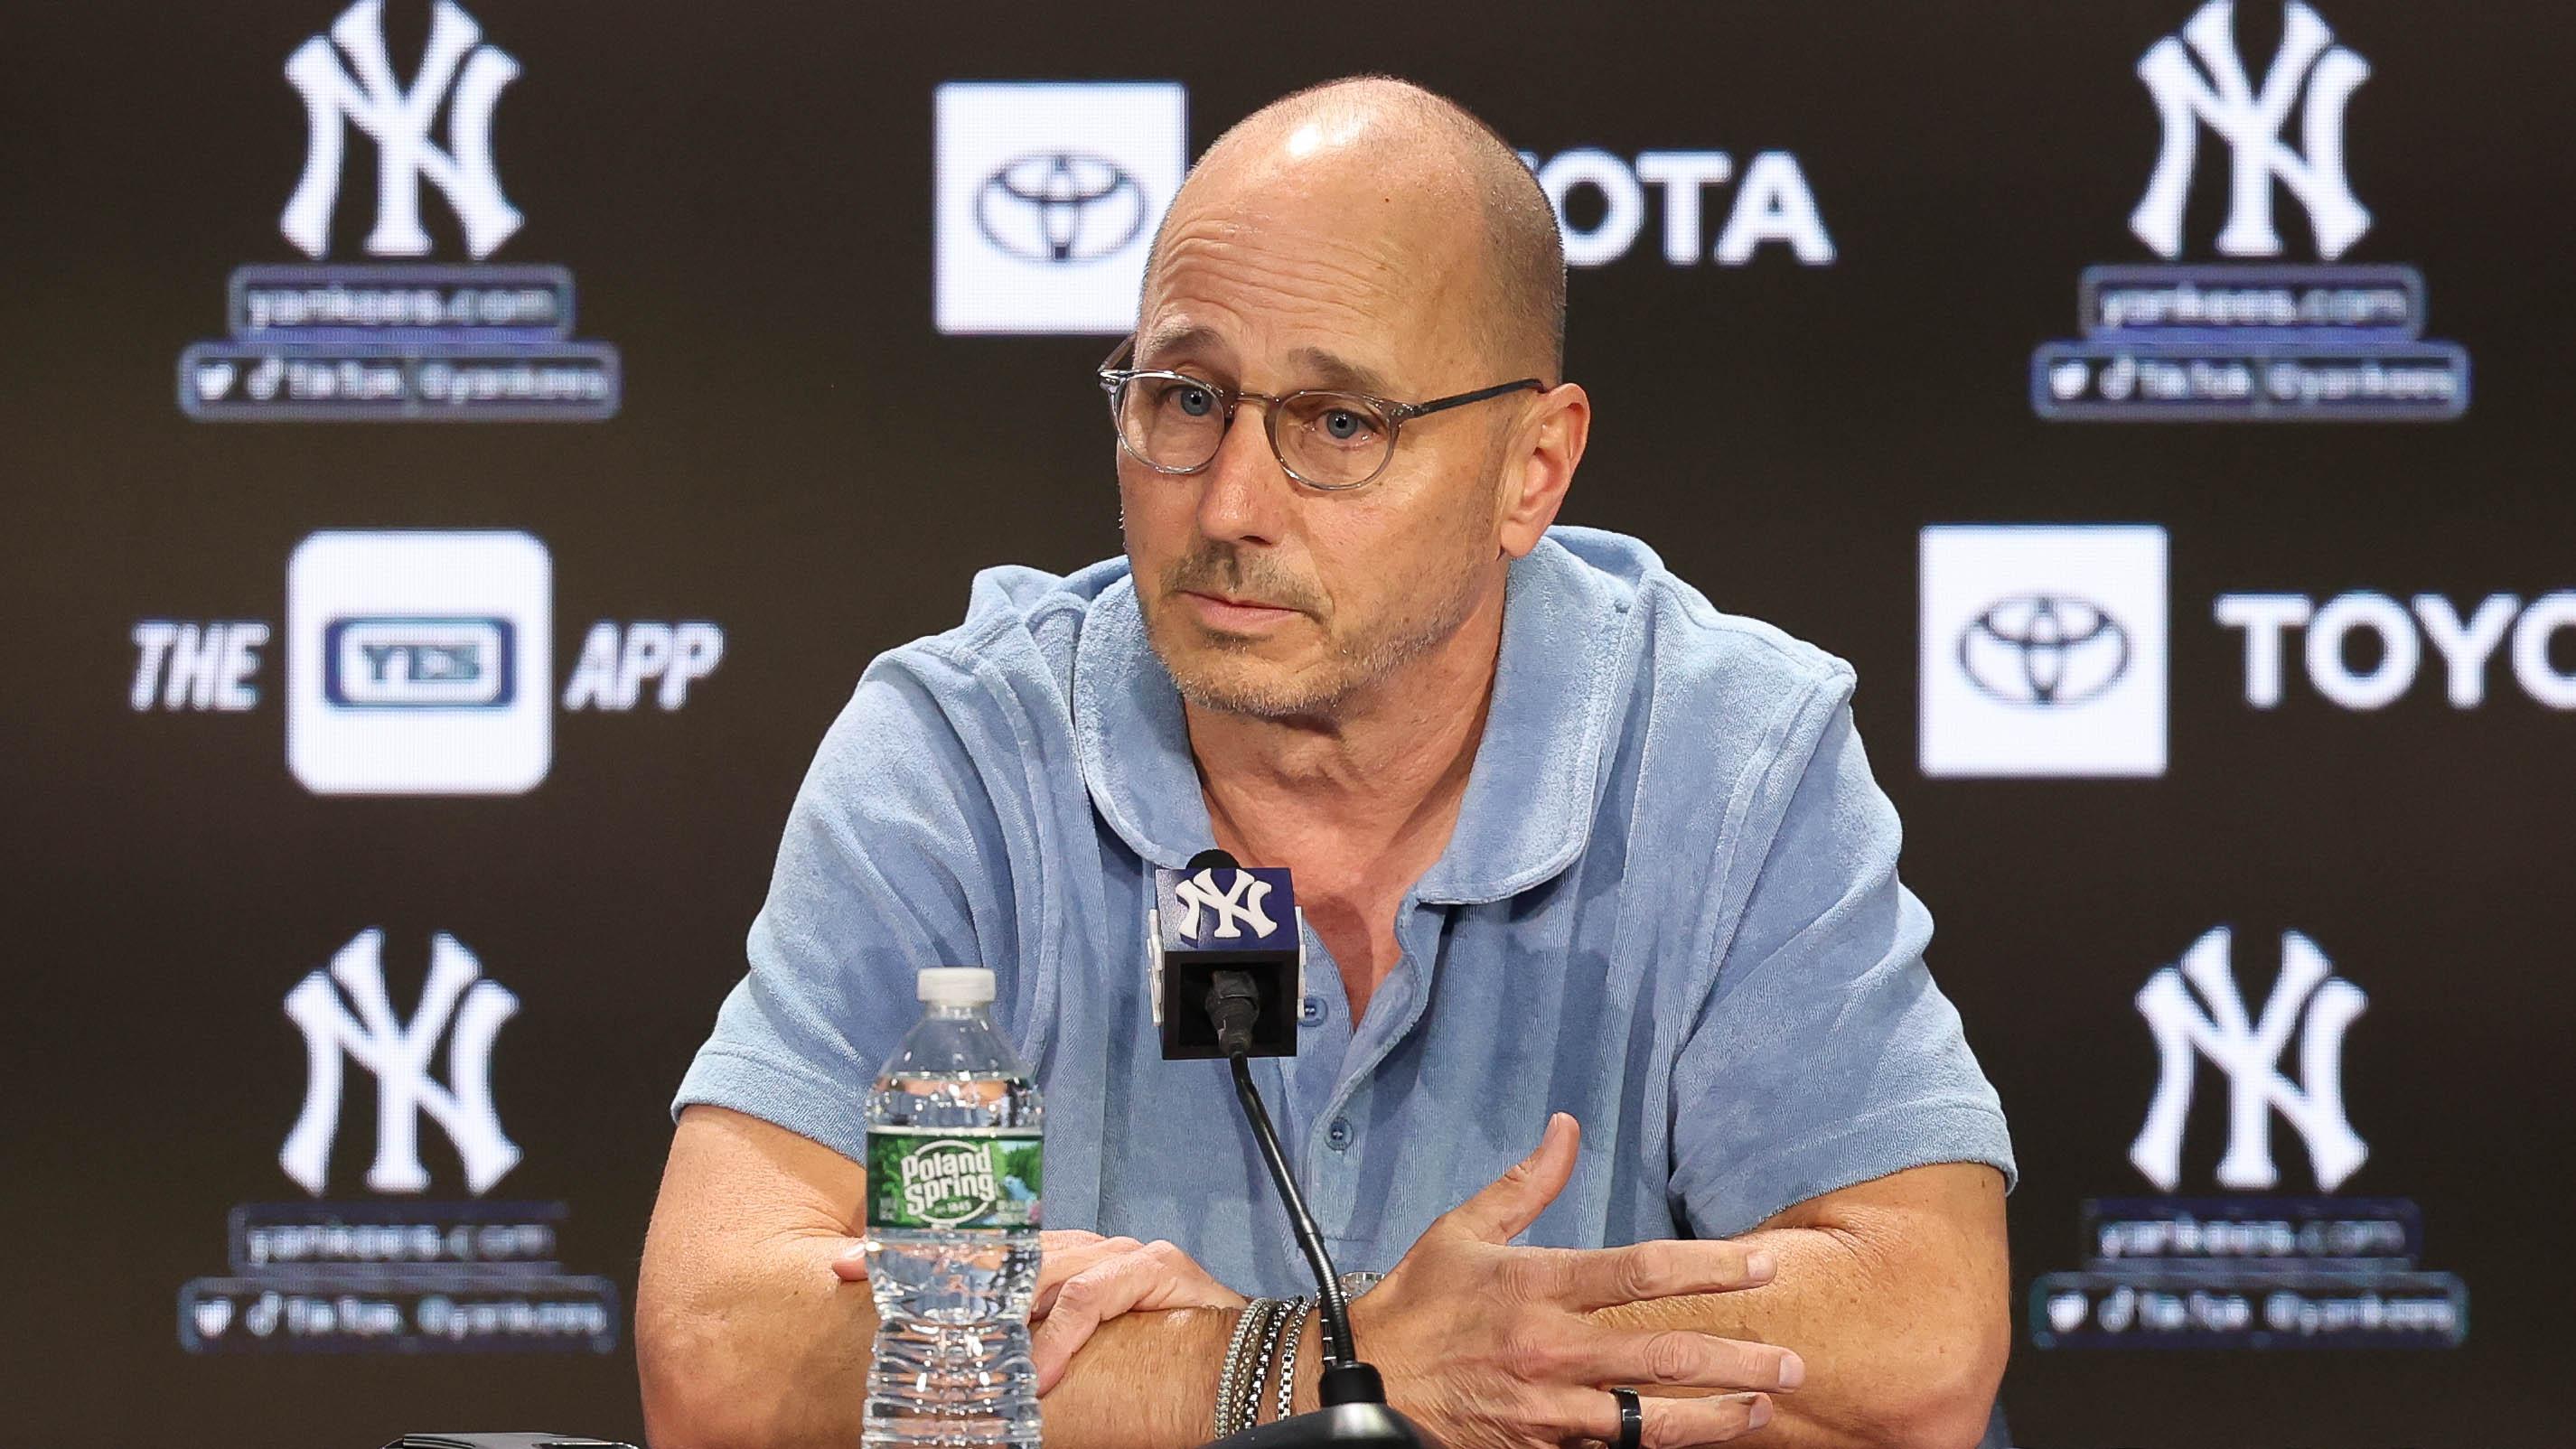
2250, 1270
2308, 1001
1235, 906
2251, 340
2251, 121
400, 340
398, 1273
458, 1003
458, 70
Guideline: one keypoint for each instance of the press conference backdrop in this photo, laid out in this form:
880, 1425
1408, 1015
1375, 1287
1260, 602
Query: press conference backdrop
459, 460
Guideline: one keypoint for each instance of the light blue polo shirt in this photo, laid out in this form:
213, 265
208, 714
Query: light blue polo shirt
1670, 907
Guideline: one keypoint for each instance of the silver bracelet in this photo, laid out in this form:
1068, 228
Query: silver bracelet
1237, 1383
1288, 1356
1258, 1367
1229, 1383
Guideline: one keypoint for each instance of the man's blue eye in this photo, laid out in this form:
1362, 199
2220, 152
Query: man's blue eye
1198, 402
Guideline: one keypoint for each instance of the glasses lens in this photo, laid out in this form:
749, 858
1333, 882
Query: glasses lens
1171, 422
1335, 439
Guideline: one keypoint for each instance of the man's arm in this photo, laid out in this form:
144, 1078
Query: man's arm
1823, 1054
746, 1338
1894, 1293
1893, 1290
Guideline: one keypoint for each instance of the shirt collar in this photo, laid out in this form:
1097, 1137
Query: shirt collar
1530, 795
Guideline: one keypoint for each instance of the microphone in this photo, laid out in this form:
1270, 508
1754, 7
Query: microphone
1226, 942
1229, 969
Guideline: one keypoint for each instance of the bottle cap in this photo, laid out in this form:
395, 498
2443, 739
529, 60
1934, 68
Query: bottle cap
954, 985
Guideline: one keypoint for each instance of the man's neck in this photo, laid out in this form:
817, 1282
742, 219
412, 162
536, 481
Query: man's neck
1381, 777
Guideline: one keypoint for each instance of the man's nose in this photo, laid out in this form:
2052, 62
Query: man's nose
1244, 494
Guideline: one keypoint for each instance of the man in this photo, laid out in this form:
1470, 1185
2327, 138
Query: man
1573, 848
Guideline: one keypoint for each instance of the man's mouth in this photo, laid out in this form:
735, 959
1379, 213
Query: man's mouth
1228, 612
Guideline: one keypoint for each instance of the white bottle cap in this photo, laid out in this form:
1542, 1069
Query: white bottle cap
954, 985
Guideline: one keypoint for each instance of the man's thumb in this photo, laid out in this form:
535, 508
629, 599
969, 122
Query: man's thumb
1514, 1200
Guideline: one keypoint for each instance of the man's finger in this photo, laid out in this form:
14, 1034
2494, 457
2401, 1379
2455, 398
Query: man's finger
1672, 1357
1514, 1200
1058, 1266
1590, 1278
1088, 1299
1669, 1423
850, 1265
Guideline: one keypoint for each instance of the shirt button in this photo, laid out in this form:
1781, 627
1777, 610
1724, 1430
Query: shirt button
1339, 1134
1312, 1012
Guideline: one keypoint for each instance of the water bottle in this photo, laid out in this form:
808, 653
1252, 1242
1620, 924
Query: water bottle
953, 1165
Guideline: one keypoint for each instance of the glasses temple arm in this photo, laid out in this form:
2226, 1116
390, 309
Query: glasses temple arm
1460, 400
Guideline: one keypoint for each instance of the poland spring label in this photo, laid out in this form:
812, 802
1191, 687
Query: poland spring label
927, 1178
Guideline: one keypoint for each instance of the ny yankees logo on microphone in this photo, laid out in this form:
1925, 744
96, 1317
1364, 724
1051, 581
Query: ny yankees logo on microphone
1235, 906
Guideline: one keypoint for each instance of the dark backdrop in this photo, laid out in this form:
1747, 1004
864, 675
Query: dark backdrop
743, 194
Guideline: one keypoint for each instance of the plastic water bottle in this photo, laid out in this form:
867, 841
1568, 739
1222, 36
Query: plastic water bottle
954, 1173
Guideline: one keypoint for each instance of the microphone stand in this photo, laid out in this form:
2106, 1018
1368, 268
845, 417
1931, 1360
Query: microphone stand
1360, 1384
1354, 1408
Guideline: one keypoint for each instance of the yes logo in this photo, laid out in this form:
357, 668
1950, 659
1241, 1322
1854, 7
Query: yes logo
419, 663
416, 663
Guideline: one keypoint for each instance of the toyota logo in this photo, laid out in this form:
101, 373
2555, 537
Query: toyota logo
2044, 650
1060, 206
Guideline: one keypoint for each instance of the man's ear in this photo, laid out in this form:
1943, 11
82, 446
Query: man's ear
1546, 448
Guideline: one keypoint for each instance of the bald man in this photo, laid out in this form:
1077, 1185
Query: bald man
1586, 864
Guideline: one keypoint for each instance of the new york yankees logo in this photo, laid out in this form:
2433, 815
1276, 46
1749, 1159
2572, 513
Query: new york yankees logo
458, 69
2308, 1001
1235, 906
2309, 63
398, 1053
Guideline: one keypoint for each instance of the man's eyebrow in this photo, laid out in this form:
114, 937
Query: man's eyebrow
1184, 338
1333, 371
1315, 366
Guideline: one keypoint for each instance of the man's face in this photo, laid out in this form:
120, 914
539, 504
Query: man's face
1262, 595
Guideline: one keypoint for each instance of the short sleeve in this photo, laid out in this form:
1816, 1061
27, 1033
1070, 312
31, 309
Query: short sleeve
1824, 1055
892, 861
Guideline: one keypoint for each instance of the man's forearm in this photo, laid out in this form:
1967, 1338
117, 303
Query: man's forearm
1897, 1351
752, 1348
783, 1365
1144, 1381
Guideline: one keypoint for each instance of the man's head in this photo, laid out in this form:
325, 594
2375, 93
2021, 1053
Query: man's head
1371, 237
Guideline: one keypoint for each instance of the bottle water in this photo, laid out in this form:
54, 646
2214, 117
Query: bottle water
953, 1167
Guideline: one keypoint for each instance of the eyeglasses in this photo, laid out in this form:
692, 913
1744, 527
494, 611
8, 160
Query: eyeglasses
1174, 423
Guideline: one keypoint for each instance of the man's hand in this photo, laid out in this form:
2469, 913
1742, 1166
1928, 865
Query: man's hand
1488, 1346
1085, 1280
